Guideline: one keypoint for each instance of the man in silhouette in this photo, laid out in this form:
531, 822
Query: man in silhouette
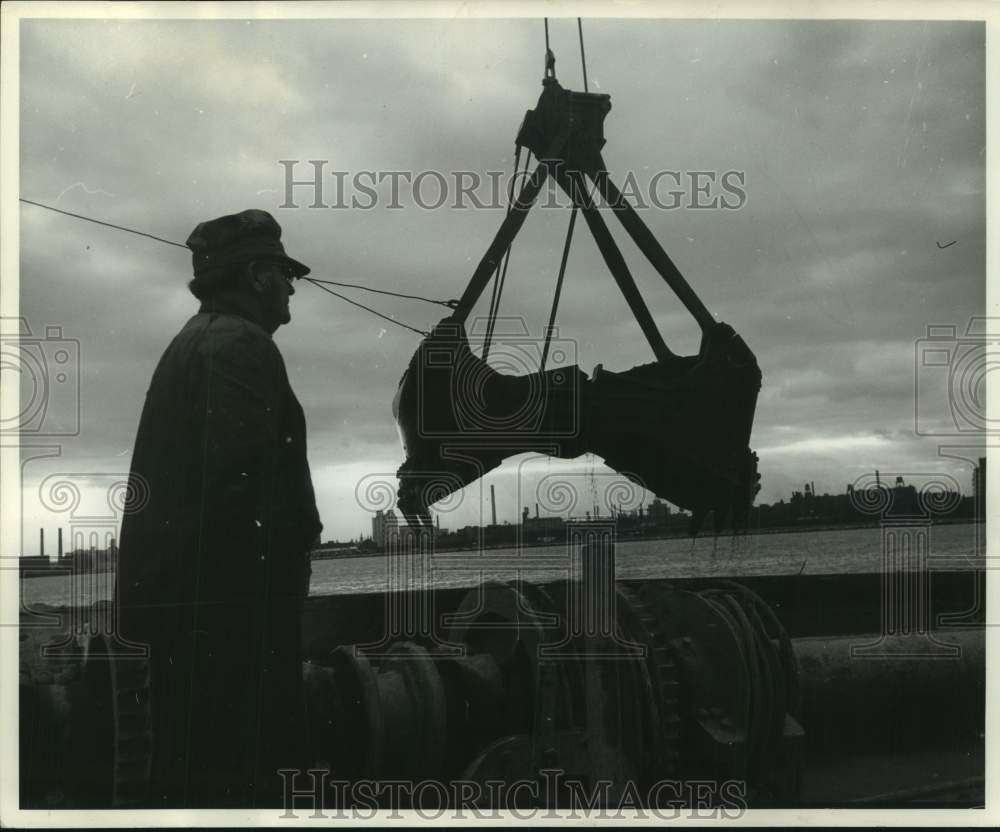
214, 544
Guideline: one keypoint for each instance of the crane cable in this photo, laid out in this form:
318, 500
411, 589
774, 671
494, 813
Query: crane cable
367, 308
559, 283
501, 273
572, 217
315, 281
500, 276
451, 304
101, 222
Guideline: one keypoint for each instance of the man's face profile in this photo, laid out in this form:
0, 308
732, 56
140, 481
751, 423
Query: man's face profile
271, 282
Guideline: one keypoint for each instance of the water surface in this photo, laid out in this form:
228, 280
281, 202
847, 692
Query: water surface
953, 546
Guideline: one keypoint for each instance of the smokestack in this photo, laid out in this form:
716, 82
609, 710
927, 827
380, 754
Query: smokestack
41, 543
60, 544
493, 502
878, 481
813, 484
536, 511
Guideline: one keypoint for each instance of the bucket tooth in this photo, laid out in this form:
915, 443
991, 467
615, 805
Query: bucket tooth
723, 519
697, 521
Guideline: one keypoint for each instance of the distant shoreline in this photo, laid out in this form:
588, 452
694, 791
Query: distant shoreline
671, 535
63, 569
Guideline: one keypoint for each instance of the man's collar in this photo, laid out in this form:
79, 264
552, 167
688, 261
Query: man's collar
233, 304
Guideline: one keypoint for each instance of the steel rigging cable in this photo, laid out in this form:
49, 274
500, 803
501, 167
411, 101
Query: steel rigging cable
101, 222
367, 308
451, 304
315, 281
500, 277
501, 274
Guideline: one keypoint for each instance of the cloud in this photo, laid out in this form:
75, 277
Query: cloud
827, 445
861, 142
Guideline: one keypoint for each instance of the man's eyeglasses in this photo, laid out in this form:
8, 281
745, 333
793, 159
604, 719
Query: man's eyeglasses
283, 269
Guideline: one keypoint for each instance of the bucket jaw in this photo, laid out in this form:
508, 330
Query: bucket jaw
679, 428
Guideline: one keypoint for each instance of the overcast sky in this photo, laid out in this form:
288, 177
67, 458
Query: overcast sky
862, 145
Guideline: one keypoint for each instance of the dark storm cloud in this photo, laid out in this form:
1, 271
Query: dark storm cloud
861, 142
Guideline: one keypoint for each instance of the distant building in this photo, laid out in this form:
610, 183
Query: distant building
385, 525
659, 512
30, 563
541, 529
904, 499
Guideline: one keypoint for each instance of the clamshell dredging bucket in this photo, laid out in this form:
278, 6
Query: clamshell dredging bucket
679, 428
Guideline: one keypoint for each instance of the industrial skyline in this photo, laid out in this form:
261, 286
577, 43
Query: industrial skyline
968, 503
